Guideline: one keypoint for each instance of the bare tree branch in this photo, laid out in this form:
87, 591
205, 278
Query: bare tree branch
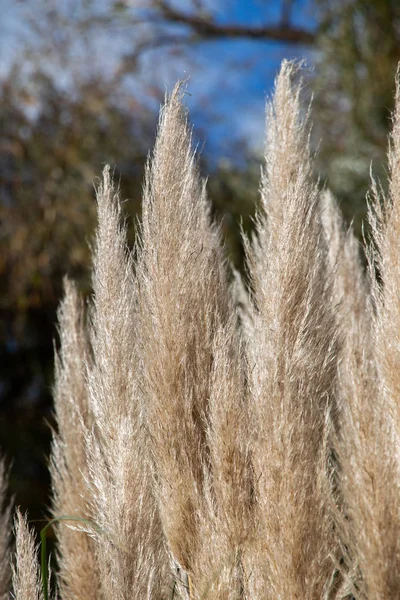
207, 28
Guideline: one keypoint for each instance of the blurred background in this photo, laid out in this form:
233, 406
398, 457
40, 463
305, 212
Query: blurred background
81, 83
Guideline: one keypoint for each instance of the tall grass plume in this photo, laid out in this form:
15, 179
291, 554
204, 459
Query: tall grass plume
217, 439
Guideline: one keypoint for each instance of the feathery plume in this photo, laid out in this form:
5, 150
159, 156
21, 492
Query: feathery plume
386, 228
356, 379
291, 368
229, 523
27, 583
350, 292
131, 555
78, 575
368, 448
185, 314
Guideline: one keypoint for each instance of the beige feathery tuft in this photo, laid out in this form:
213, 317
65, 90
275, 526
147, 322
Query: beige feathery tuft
291, 366
351, 294
386, 229
187, 323
368, 449
356, 384
69, 469
132, 560
27, 583
228, 524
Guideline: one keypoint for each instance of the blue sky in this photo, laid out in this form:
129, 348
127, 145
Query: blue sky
229, 81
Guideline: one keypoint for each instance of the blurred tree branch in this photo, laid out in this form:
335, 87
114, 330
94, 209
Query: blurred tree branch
203, 25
